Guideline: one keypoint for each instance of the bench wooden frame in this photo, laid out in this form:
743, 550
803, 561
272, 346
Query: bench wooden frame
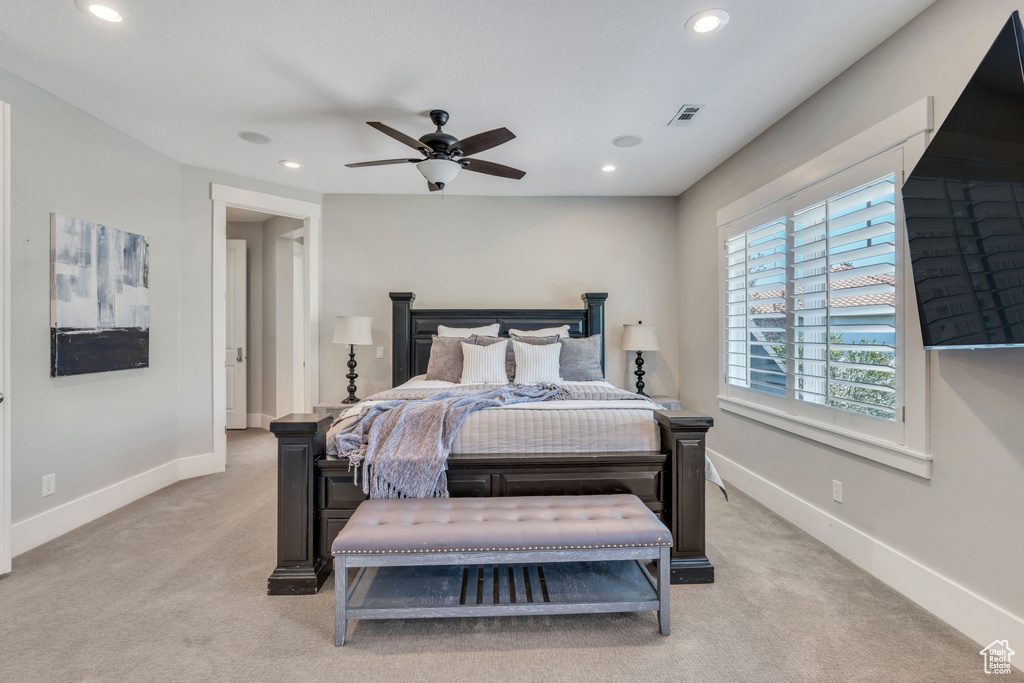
343, 594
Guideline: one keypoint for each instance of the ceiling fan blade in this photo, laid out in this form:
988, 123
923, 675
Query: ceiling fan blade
398, 135
433, 187
491, 168
383, 162
484, 141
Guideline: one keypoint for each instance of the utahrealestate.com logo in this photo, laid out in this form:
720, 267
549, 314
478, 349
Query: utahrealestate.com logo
997, 657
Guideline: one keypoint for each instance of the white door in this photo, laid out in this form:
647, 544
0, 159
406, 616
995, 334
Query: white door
236, 347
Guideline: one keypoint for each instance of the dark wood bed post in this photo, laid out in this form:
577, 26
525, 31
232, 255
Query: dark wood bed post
401, 336
683, 434
300, 440
595, 317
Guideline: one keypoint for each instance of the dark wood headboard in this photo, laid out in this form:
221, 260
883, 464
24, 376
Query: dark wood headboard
412, 329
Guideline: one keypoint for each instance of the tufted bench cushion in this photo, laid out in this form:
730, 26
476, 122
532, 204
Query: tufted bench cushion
433, 525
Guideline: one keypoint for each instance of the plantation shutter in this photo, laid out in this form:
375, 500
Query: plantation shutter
844, 294
811, 303
756, 308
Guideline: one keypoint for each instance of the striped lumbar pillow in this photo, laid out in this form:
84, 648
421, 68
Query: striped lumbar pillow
483, 364
537, 363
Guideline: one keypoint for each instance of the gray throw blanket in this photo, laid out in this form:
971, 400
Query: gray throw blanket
402, 446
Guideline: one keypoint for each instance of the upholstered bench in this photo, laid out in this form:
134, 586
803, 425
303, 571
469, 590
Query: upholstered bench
464, 557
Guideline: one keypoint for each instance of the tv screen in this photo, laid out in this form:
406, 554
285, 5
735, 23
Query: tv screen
964, 207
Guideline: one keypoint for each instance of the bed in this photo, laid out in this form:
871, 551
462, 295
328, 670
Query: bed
655, 454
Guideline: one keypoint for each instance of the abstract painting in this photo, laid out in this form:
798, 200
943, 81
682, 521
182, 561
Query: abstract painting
99, 298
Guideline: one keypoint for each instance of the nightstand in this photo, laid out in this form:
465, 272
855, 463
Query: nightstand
668, 403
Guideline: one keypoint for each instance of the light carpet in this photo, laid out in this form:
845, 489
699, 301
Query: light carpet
173, 588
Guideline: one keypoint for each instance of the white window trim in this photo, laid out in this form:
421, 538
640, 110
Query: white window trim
910, 130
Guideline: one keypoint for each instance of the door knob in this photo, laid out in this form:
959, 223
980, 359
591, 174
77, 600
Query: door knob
238, 357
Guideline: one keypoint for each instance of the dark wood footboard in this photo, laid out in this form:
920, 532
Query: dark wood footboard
300, 443
317, 495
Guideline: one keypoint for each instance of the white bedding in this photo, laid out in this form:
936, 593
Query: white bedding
573, 426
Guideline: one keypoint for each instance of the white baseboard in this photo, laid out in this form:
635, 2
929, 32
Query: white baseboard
958, 606
46, 526
257, 421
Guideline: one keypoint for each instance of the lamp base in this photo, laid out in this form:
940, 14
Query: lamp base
640, 373
351, 376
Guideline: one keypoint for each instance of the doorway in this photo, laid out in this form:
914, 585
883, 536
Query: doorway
283, 315
265, 352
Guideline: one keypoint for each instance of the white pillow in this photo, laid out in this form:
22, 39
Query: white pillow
463, 332
484, 364
562, 331
536, 363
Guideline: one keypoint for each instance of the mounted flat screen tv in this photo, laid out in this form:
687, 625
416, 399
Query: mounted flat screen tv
964, 206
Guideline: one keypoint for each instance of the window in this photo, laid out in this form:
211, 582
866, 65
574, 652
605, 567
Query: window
819, 330
813, 319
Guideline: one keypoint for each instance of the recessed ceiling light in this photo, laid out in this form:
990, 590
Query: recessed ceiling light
627, 141
105, 13
607, 168
254, 137
288, 163
101, 10
708, 21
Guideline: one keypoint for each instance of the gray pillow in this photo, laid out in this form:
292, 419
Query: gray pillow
580, 360
445, 358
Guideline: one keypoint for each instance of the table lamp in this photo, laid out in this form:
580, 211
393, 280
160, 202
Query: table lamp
640, 338
352, 330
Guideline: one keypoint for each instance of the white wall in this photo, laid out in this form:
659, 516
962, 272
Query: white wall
487, 252
111, 437
964, 522
90, 430
252, 233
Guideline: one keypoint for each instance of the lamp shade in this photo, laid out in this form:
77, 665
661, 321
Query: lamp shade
352, 329
640, 337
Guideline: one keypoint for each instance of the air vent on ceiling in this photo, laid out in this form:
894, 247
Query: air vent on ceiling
685, 114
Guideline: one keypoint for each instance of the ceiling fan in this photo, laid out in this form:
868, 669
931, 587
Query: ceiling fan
445, 155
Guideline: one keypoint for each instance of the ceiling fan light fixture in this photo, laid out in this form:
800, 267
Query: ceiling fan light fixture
439, 171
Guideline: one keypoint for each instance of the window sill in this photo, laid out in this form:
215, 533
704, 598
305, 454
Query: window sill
891, 455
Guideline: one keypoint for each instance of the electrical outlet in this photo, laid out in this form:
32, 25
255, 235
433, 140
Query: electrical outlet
380, 352
49, 485
837, 491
